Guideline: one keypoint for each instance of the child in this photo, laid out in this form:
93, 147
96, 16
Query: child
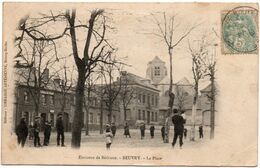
108, 136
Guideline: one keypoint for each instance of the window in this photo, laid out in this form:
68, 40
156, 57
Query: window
143, 115
114, 119
156, 71
140, 98
143, 98
148, 99
139, 115
90, 118
52, 119
44, 99
156, 116
52, 99
94, 102
152, 116
98, 118
26, 97
152, 99
156, 101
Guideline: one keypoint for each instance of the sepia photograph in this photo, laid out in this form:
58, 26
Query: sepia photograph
148, 84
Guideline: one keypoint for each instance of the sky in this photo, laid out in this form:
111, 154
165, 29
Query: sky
133, 27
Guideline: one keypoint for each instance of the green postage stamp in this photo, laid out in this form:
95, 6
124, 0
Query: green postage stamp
240, 30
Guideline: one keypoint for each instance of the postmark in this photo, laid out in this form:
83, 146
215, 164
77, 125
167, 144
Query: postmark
240, 30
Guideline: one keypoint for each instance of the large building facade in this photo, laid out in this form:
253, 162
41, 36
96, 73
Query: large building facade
144, 105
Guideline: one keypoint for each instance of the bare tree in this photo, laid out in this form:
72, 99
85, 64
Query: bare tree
111, 88
63, 83
90, 84
127, 93
209, 45
211, 73
198, 70
33, 65
166, 30
210, 65
95, 51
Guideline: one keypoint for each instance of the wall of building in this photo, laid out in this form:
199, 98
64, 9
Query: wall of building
143, 108
25, 107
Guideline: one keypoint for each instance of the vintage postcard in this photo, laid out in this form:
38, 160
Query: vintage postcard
150, 84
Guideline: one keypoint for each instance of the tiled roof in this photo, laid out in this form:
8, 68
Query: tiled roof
134, 79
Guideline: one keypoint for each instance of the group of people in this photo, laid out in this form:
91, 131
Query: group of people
22, 131
178, 121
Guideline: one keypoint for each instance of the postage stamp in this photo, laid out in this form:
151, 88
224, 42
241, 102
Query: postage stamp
240, 30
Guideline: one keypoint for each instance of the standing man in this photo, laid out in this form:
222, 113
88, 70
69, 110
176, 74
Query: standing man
163, 132
47, 133
142, 129
126, 131
152, 131
60, 130
113, 129
21, 132
36, 131
201, 131
178, 123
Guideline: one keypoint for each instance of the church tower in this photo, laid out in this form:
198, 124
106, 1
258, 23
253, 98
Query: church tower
156, 70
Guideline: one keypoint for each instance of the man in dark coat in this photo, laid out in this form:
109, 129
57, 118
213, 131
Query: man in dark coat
152, 131
163, 131
142, 129
60, 130
178, 122
36, 131
47, 133
126, 131
22, 132
201, 131
113, 129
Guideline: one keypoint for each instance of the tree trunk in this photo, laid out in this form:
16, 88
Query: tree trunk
170, 103
125, 115
194, 111
110, 114
87, 113
212, 103
101, 116
78, 115
87, 124
36, 113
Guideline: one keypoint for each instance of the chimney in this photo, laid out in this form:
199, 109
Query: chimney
123, 73
45, 75
57, 80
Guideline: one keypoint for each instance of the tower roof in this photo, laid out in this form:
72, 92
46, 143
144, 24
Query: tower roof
183, 81
156, 59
